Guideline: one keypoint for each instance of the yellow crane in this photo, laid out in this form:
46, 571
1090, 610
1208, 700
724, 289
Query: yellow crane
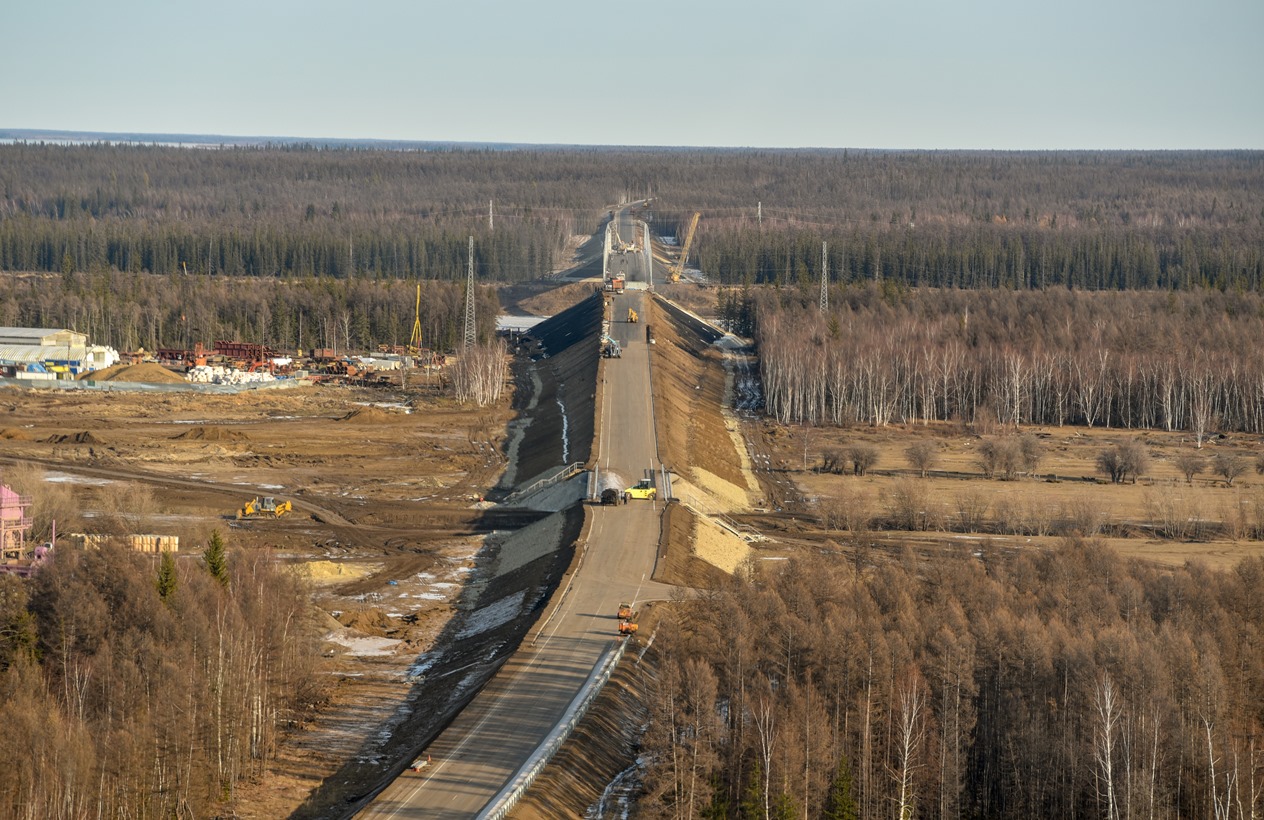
414, 341
674, 273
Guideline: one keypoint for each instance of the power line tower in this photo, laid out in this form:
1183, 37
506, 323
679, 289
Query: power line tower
471, 329
824, 277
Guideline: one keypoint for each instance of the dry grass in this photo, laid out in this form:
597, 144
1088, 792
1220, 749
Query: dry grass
1161, 517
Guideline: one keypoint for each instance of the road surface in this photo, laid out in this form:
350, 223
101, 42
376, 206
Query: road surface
492, 737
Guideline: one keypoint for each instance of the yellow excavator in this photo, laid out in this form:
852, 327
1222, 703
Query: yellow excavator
677, 270
632, 317
264, 507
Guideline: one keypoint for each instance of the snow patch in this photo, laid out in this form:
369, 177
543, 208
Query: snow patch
493, 615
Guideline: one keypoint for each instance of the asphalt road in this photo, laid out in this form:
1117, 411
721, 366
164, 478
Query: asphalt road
631, 265
492, 738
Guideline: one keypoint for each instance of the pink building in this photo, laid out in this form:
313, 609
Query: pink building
14, 522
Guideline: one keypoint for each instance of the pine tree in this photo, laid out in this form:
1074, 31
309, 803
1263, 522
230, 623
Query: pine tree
167, 576
216, 559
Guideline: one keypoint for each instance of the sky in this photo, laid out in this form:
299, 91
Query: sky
1053, 74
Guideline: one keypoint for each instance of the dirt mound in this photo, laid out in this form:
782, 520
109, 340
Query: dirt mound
212, 433
372, 621
371, 415
146, 373
13, 435
82, 437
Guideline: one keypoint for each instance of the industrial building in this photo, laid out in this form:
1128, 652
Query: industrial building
40, 353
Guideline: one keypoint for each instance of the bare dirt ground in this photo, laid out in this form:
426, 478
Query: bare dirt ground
386, 525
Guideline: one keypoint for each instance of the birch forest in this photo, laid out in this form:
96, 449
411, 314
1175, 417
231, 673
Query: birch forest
1135, 359
1069, 683
139, 686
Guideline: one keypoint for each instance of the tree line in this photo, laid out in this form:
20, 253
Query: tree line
132, 310
963, 219
144, 686
1068, 683
884, 354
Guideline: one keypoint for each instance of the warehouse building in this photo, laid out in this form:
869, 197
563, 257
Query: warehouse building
41, 353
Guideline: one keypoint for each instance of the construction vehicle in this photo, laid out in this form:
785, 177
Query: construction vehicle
628, 627
264, 507
610, 348
615, 283
642, 489
632, 317
676, 271
625, 612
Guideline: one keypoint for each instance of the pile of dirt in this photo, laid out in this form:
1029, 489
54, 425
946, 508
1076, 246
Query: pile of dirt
371, 621
145, 373
82, 437
371, 415
211, 433
10, 434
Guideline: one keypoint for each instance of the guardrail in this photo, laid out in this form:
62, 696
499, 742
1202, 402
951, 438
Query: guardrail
508, 798
561, 475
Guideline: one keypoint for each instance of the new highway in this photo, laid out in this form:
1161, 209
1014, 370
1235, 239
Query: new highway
493, 737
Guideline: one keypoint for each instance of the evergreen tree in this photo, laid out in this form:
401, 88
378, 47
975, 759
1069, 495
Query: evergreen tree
167, 575
216, 558
752, 806
840, 804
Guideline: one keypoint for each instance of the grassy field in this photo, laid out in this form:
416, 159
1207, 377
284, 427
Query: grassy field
1161, 516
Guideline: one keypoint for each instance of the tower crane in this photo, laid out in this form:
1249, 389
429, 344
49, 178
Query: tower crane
674, 273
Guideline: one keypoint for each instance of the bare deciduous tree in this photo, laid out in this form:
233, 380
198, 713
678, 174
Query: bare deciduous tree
862, 457
1190, 465
1124, 461
922, 456
1229, 466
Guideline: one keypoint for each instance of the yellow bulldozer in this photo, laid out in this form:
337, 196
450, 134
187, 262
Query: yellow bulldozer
264, 507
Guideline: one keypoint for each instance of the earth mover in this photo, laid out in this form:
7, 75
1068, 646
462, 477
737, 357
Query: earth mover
264, 507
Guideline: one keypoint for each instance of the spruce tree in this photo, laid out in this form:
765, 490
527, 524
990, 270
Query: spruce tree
216, 559
167, 576
840, 804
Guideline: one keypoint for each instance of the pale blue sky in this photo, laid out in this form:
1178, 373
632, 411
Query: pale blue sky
896, 74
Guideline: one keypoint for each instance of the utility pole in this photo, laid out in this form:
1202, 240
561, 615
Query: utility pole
824, 277
491, 223
759, 214
471, 329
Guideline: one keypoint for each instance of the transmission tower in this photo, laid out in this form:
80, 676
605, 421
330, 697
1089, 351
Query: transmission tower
824, 277
471, 329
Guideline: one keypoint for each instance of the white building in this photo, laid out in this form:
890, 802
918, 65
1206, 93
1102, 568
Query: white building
44, 350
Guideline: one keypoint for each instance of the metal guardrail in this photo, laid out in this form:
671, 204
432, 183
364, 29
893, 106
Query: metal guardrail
508, 798
566, 472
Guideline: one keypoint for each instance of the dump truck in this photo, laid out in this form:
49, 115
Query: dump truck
627, 627
264, 507
642, 489
625, 611
615, 283
632, 317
